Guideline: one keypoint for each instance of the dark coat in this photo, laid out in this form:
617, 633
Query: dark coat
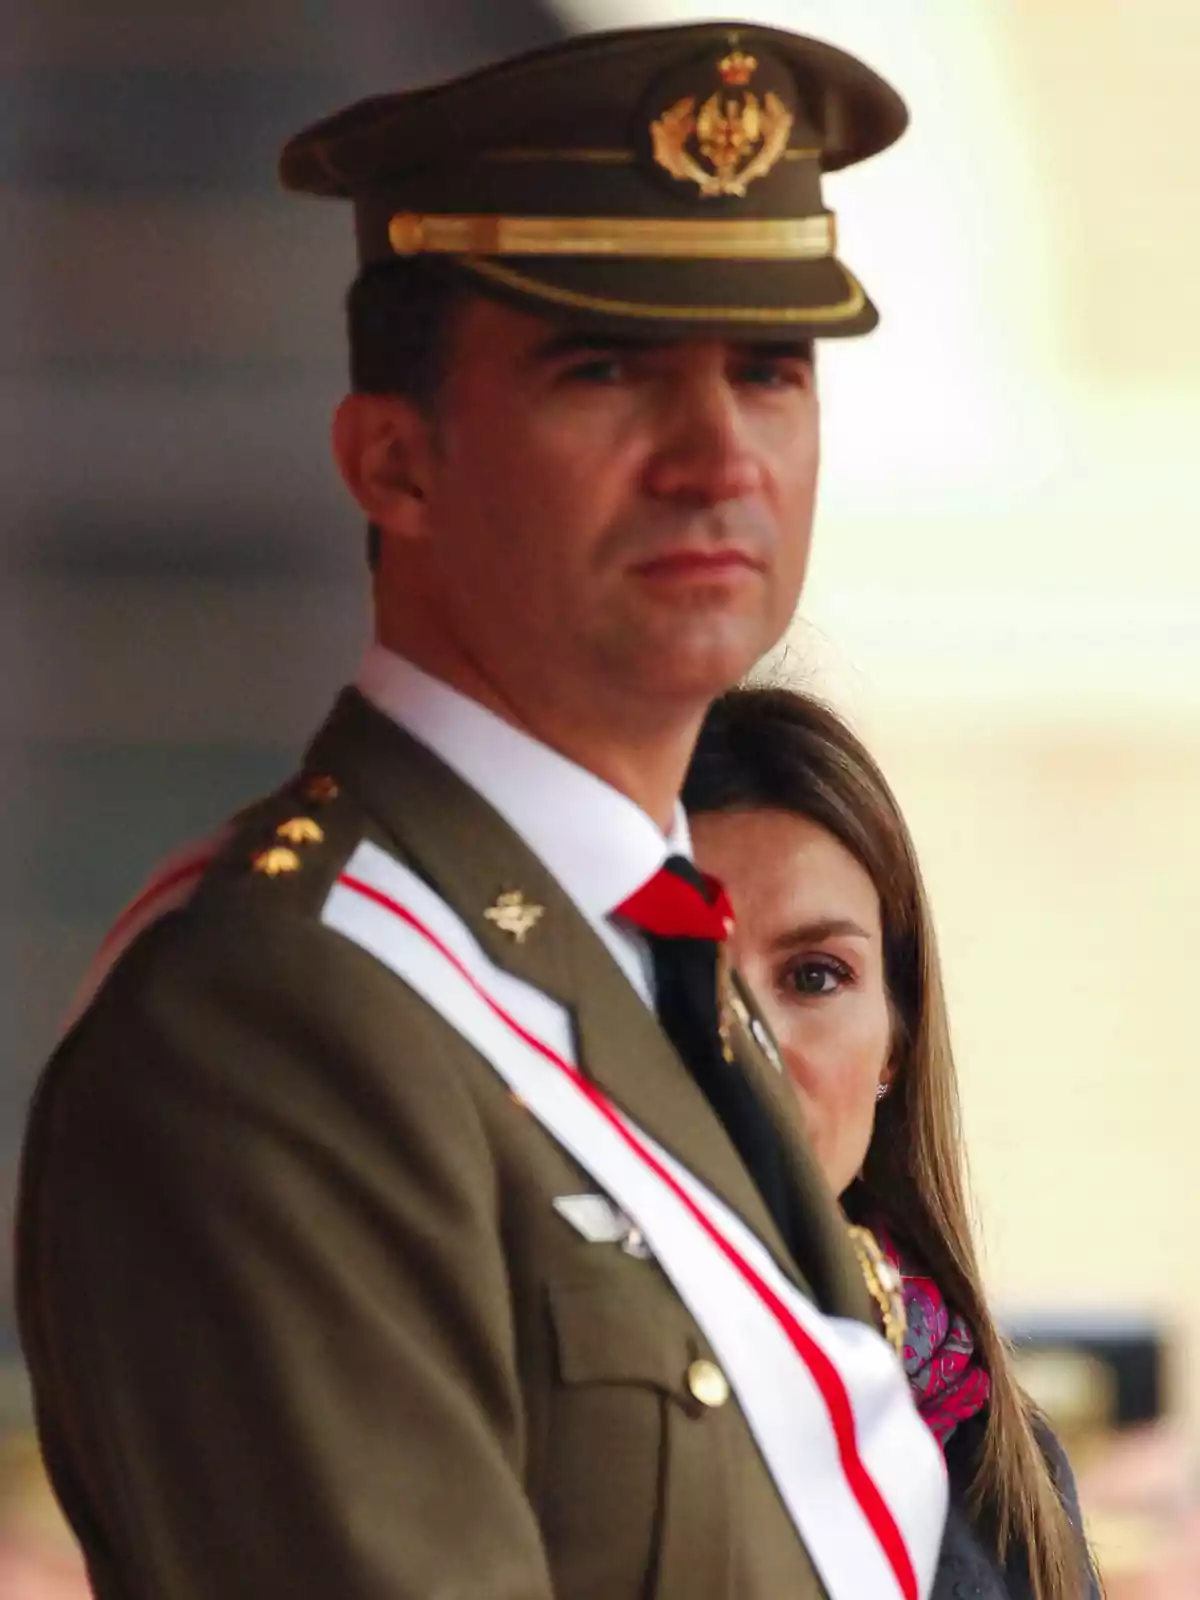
970, 1567
300, 1316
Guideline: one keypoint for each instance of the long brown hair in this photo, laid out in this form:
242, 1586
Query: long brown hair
780, 750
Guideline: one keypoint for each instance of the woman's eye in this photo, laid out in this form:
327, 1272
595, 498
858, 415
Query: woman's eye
818, 977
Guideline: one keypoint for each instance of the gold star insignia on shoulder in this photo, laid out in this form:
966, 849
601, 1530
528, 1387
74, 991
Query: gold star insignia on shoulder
276, 863
301, 830
884, 1284
320, 789
515, 915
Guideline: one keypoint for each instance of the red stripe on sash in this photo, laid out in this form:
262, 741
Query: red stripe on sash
825, 1375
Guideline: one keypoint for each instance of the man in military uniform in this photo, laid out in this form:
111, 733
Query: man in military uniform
413, 1207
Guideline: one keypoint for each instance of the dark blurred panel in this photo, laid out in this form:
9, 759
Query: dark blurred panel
257, 653
196, 469
407, 39
1093, 1374
184, 586
388, 44
91, 808
55, 33
113, 131
171, 282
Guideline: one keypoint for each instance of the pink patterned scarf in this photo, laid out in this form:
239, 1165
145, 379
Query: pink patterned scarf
949, 1383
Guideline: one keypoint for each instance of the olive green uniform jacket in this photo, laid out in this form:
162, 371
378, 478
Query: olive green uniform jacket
302, 1321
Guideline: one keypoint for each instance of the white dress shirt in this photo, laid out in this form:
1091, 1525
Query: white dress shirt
595, 841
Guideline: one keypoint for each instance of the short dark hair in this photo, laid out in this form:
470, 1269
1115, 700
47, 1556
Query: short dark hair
399, 317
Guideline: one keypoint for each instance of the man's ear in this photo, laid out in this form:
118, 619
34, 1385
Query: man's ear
383, 448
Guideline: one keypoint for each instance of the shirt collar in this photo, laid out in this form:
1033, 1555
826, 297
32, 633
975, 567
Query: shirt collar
597, 842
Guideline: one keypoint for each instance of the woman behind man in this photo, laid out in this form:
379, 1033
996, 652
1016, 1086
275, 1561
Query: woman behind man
834, 936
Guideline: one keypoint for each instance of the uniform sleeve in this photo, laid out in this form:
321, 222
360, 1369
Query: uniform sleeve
265, 1298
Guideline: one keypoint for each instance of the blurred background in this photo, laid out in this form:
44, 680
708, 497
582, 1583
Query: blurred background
1005, 595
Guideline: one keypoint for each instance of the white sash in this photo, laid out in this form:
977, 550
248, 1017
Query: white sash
858, 1471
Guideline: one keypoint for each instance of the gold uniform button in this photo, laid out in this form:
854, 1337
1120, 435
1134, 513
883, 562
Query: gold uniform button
708, 1384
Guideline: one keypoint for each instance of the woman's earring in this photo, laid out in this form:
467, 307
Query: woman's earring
881, 1092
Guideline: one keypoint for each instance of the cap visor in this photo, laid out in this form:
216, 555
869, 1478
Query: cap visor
747, 300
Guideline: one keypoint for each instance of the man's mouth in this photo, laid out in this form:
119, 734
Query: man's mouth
692, 563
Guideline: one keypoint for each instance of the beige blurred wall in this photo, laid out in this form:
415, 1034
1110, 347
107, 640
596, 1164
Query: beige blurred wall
1006, 599
1063, 868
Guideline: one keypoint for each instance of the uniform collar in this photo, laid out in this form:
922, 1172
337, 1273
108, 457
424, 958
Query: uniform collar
595, 841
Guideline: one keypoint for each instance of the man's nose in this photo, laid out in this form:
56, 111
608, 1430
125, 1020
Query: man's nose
707, 458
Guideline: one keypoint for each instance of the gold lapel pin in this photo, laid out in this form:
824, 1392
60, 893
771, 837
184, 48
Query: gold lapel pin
765, 1043
728, 1001
515, 915
733, 1008
884, 1285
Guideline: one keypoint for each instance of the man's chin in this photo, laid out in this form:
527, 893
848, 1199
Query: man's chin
700, 669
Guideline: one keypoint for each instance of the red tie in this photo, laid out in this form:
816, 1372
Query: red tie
680, 902
686, 917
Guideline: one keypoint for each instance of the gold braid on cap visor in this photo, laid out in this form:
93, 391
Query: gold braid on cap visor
792, 239
844, 310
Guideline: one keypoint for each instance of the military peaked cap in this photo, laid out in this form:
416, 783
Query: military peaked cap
661, 182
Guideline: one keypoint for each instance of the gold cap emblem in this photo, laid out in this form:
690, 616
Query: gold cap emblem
728, 142
277, 862
514, 915
301, 830
737, 69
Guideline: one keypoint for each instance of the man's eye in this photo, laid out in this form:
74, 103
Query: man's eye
775, 374
597, 370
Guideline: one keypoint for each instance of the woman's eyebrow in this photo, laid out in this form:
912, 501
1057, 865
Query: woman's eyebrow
822, 928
